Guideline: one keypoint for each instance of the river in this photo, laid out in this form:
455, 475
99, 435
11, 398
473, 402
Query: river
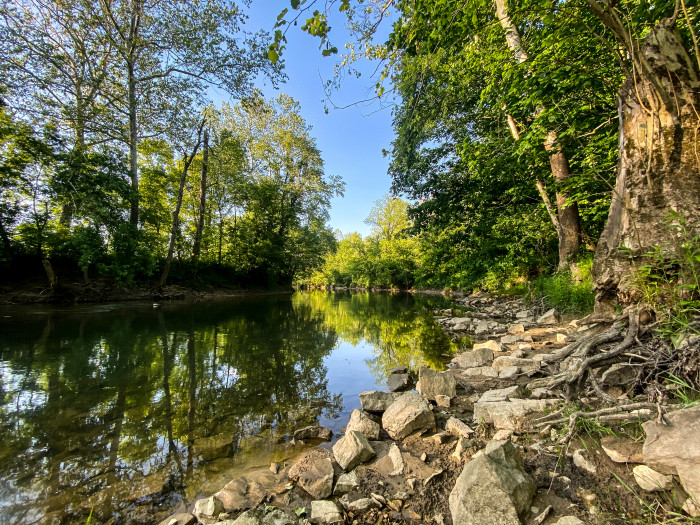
133, 410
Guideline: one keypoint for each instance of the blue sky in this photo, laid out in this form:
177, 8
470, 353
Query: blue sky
351, 140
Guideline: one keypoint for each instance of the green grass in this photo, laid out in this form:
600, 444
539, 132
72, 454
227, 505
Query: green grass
565, 293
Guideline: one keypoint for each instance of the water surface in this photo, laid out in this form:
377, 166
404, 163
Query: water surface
132, 410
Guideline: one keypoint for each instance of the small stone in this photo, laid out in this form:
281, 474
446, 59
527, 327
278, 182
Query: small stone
182, 518
443, 401
523, 314
508, 372
650, 480
360, 421
378, 498
352, 449
209, 507
396, 460
516, 329
325, 512
346, 483
524, 347
484, 371
411, 482
509, 339
569, 520
502, 435
477, 357
458, 428
581, 462
517, 353
561, 338
362, 505
501, 394
460, 449
492, 345
441, 437
549, 317
423, 456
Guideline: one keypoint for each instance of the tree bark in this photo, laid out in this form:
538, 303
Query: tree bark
187, 160
659, 163
567, 221
133, 148
197, 246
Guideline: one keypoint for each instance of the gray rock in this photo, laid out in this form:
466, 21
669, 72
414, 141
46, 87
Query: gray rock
523, 314
278, 517
325, 512
650, 480
492, 345
362, 505
478, 357
399, 370
493, 489
509, 339
432, 383
516, 328
569, 520
316, 478
458, 428
484, 371
182, 518
501, 394
352, 449
443, 401
361, 422
506, 414
346, 483
549, 317
209, 507
482, 327
249, 517
581, 462
508, 372
408, 414
313, 432
399, 382
396, 460
524, 365
619, 374
670, 448
375, 401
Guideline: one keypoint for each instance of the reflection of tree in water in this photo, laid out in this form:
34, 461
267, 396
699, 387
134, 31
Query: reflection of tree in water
399, 326
92, 405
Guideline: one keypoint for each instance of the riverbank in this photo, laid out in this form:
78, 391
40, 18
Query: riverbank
105, 291
483, 443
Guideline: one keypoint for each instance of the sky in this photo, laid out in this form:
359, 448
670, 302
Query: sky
351, 140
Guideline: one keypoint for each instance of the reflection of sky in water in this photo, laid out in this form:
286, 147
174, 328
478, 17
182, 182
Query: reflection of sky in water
348, 373
100, 398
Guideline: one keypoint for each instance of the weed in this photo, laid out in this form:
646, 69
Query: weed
686, 394
566, 292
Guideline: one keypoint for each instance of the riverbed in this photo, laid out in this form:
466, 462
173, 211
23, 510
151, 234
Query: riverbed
133, 410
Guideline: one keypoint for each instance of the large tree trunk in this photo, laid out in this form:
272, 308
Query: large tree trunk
659, 166
133, 148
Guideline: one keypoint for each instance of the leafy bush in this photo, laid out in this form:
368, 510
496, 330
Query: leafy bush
566, 292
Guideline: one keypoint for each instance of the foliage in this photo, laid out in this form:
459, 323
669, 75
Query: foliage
567, 293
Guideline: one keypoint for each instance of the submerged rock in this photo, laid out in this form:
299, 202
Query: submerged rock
313, 432
493, 489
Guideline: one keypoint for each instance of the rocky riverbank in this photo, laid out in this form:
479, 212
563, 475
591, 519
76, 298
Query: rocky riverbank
481, 443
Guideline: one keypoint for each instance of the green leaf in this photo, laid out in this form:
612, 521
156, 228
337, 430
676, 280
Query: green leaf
295, 4
300, 511
273, 55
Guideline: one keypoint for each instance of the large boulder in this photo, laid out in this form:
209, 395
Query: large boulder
674, 448
432, 383
524, 365
213, 447
375, 401
477, 357
352, 449
362, 422
408, 414
493, 489
315, 477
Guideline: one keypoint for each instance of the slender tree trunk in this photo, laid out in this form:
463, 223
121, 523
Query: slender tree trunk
196, 249
50, 274
133, 147
659, 166
566, 221
187, 160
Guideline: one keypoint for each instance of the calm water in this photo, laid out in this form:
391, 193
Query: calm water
111, 407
